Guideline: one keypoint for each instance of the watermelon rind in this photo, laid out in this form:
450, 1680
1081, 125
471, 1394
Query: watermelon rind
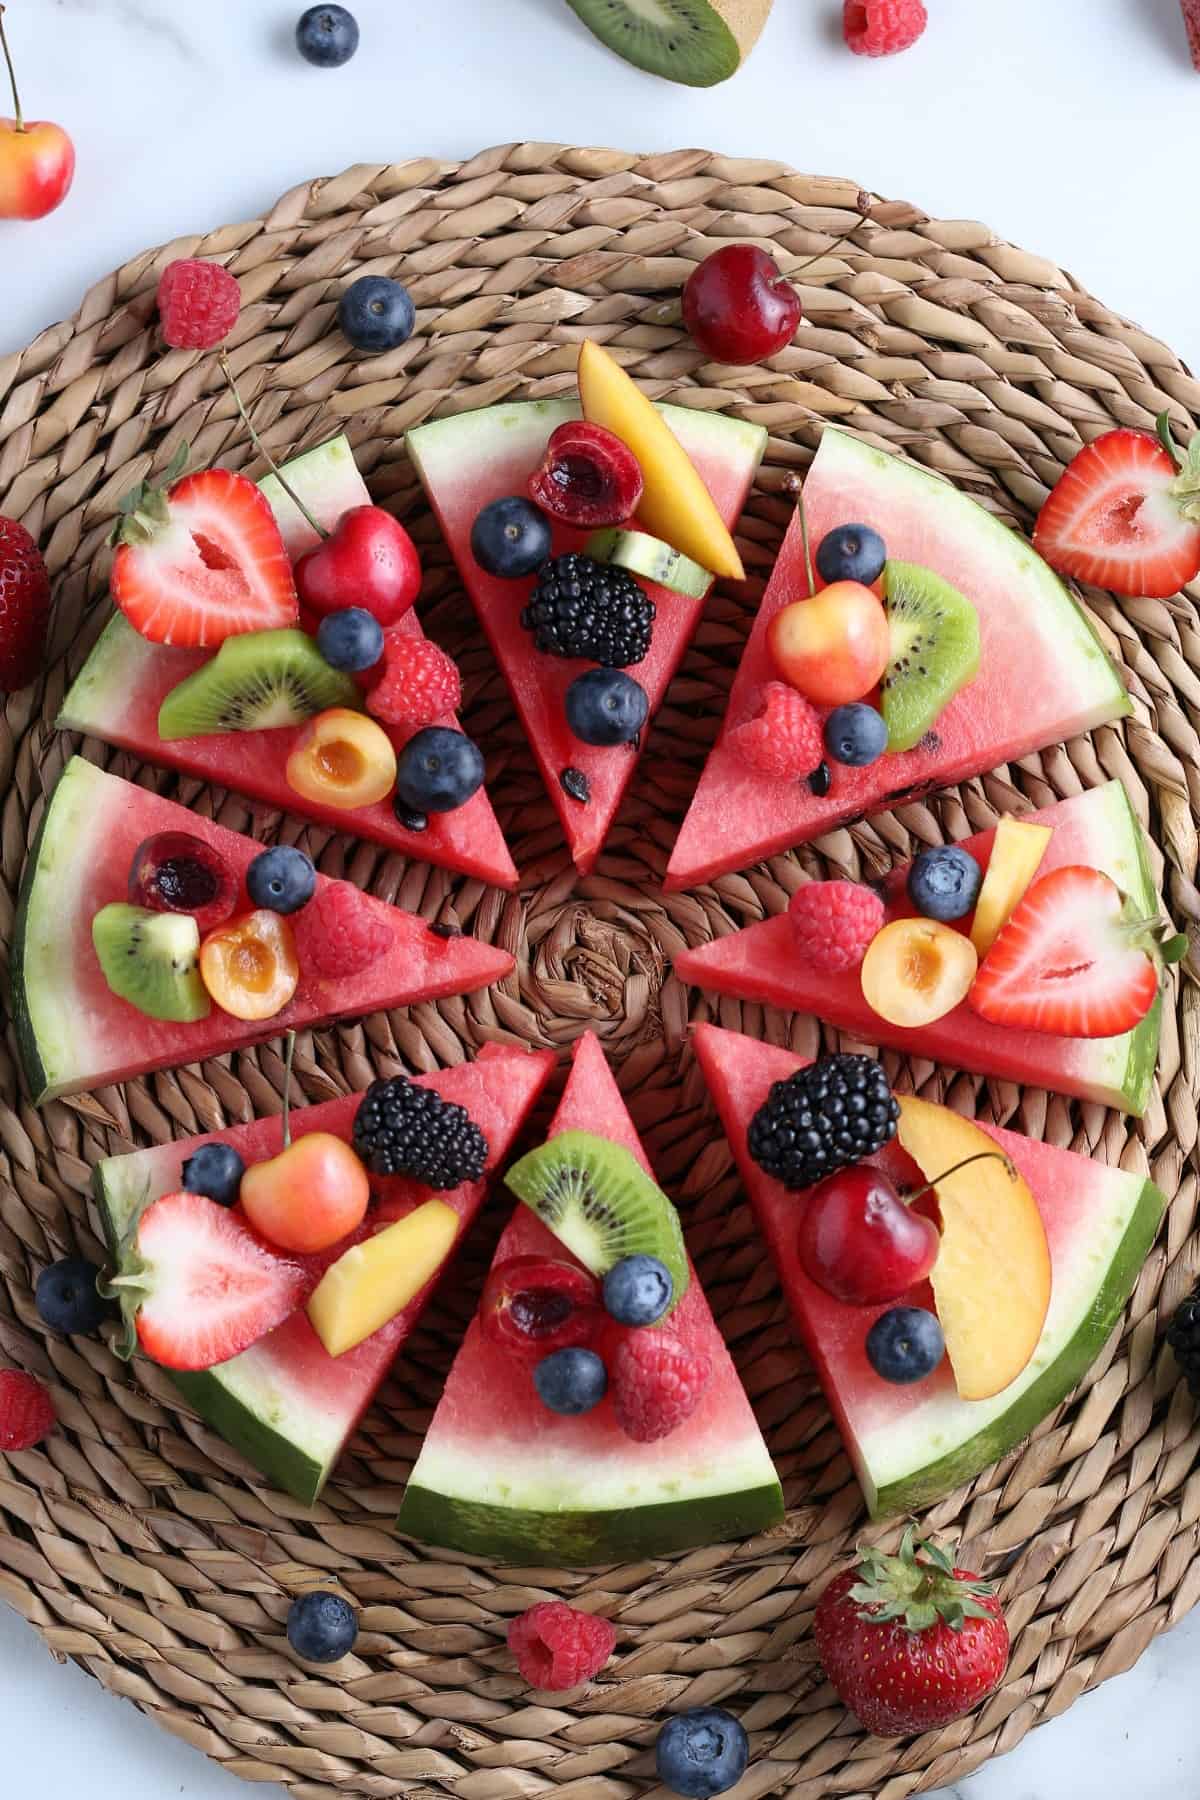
44, 1018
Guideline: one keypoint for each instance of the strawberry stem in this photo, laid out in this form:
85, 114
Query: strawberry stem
289, 1050
18, 116
979, 1156
1166, 437
277, 472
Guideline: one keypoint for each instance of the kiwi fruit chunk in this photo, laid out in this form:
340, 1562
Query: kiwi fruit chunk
596, 1197
649, 557
152, 959
697, 42
934, 650
255, 681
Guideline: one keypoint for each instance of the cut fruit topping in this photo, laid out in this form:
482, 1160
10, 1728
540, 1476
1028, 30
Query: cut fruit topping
782, 737
833, 647
309, 1197
375, 1280
367, 560
934, 650
905, 1345
342, 759
150, 959
439, 770
259, 680
916, 971
650, 558
581, 608
598, 1200
1017, 851
697, 42
1118, 517
657, 1384
861, 1242
250, 966
606, 707
511, 538
402, 1128
532, 1305
175, 871
587, 477
832, 1113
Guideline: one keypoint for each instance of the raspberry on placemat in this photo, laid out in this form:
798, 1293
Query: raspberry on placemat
337, 933
783, 735
420, 684
557, 1646
834, 923
881, 27
26, 1411
198, 304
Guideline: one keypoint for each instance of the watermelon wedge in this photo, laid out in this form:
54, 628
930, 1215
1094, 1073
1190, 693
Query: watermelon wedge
73, 1032
1043, 675
500, 1476
117, 694
287, 1405
1097, 829
911, 1445
476, 457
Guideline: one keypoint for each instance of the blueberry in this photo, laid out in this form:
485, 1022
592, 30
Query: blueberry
606, 707
638, 1290
855, 734
851, 553
66, 1296
321, 1627
327, 36
351, 639
439, 770
215, 1170
571, 1381
376, 313
702, 1752
944, 883
905, 1345
281, 879
510, 538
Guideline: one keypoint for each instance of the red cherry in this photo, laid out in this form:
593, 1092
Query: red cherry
860, 1242
588, 477
37, 159
367, 560
175, 871
738, 307
534, 1304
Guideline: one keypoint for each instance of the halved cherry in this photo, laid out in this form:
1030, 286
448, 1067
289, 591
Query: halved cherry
534, 1304
176, 871
342, 758
587, 477
250, 966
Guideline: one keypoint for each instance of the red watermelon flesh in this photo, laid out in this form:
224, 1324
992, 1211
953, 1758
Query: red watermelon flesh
1043, 674
473, 458
74, 1032
911, 1445
501, 1475
286, 1403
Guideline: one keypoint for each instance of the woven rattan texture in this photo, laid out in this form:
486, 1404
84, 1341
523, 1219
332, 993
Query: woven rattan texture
134, 1540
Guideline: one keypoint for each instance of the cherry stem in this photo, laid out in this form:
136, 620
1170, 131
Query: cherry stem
277, 472
808, 561
864, 215
19, 117
979, 1156
289, 1050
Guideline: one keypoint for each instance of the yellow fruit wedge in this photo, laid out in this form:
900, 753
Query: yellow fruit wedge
991, 1281
676, 506
375, 1280
1017, 851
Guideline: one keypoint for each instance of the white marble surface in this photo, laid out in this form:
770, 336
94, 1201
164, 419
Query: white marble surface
1071, 126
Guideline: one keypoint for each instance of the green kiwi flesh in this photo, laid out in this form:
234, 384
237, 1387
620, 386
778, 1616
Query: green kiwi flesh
257, 680
934, 650
649, 557
152, 959
684, 40
597, 1199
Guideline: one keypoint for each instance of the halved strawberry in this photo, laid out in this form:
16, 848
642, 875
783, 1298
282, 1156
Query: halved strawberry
1072, 960
1118, 518
197, 1287
201, 562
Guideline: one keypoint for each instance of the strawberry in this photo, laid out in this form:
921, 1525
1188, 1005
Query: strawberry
197, 1287
26, 1411
24, 607
909, 1641
1074, 959
1124, 516
201, 561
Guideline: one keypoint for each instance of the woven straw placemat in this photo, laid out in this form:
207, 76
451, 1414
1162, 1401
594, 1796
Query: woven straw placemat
134, 1540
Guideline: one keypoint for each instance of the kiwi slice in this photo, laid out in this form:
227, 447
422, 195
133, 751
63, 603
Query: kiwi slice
596, 1197
649, 557
934, 650
698, 42
152, 959
255, 681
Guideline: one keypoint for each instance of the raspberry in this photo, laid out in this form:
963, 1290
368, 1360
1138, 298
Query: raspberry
656, 1384
26, 1411
881, 27
782, 737
557, 1647
198, 304
420, 684
1191, 19
338, 933
834, 922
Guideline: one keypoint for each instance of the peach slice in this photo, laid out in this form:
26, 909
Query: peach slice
916, 971
342, 758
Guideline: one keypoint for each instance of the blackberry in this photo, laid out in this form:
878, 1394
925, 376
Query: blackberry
403, 1129
1183, 1335
580, 607
823, 1118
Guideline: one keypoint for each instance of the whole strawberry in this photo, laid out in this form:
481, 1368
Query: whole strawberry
24, 607
909, 1641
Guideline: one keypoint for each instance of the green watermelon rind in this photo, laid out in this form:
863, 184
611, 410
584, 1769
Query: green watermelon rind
29, 1047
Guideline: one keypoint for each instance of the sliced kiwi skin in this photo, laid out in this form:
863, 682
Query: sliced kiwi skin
935, 650
151, 959
648, 556
595, 1196
257, 680
698, 48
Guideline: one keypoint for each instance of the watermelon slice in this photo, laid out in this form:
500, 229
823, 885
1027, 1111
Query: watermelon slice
72, 1030
1043, 674
911, 1445
287, 1405
117, 694
469, 460
1097, 829
500, 1476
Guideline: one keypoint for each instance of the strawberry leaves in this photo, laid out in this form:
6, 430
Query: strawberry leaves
143, 511
918, 1585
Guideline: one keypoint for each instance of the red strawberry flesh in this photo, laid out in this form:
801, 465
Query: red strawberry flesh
24, 607
1112, 521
